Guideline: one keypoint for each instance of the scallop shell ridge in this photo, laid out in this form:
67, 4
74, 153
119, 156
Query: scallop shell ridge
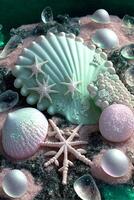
67, 66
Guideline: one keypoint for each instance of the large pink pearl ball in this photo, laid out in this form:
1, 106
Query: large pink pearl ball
116, 123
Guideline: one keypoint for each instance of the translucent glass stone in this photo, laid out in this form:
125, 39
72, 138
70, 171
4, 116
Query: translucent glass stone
129, 76
101, 16
128, 52
1, 36
15, 184
86, 188
115, 163
105, 38
47, 15
8, 100
128, 21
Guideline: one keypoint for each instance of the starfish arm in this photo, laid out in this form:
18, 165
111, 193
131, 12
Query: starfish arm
53, 91
74, 133
82, 151
36, 89
55, 158
66, 164
51, 144
48, 97
78, 90
50, 153
61, 138
79, 156
76, 143
66, 92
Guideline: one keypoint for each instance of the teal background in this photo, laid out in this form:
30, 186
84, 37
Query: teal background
14, 13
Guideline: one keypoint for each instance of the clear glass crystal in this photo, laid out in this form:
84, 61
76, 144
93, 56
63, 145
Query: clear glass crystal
47, 15
86, 188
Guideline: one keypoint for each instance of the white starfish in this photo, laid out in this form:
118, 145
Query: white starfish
65, 146
44, 89
36, 67
72, 86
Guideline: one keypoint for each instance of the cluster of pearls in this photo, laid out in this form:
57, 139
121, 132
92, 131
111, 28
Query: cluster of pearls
109, 89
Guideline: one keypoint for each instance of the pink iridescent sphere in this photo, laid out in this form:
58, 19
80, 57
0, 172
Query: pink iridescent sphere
116, 123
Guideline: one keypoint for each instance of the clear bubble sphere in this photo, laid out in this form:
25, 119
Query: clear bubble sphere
115, 163
105, 38
101, 16
86, 188
15, 184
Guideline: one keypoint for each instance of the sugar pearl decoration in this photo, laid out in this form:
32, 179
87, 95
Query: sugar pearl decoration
116, 123
15, 184
101, 16
23, 132
115, 163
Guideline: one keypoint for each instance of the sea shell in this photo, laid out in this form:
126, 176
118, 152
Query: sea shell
54, 72
23, 132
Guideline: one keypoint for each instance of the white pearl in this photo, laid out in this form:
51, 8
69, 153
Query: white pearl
15, 184
115, 163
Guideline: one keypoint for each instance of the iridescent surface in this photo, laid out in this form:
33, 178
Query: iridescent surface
15, 184
86, 188
115, 163
47, 15
105, 38
129, 76
8, 100
101, 16
128, 52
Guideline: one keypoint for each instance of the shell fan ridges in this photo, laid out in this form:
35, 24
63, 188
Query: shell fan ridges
65, 67
23, 132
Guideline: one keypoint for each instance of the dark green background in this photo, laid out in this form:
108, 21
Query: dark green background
17, 12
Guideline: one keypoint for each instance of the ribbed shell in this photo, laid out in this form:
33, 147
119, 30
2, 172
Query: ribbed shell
23, 132
68, 58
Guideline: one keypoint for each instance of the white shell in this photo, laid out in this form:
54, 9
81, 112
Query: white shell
101, 16
23, 132
105, 38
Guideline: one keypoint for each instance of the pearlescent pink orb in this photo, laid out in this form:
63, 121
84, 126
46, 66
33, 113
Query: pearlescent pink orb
115, 163
116, 123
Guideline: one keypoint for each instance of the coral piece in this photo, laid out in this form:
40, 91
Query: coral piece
116, 123
65, 146
62, 88
22, 133
109, 89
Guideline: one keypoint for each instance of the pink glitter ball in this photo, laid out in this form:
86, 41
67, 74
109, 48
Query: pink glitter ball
116, 123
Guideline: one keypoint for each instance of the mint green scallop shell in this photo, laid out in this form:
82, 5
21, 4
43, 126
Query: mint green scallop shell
67, 59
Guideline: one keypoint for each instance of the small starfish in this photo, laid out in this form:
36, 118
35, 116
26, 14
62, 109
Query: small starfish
36, 67
65, 146
72, 86
44, 90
